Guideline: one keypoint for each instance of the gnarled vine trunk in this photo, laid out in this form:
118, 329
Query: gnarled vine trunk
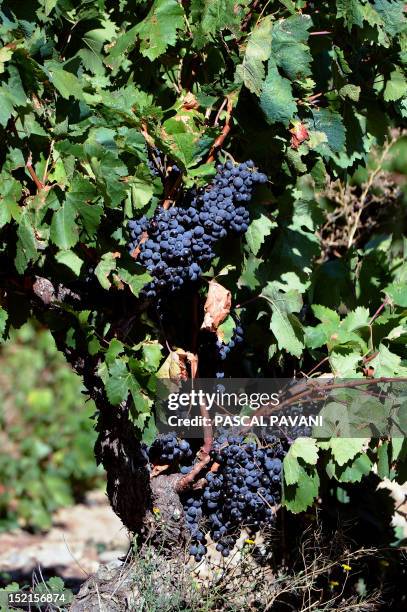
145, 506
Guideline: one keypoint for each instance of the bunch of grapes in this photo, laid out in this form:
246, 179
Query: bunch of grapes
176, 244
159, 165
241, 493
167, 449
224, 349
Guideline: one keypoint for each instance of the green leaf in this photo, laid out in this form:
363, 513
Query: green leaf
120, 383
5, 55
331, 124
12, 96
290, 51
117, 385
152, 355
284, 325
345, 365
10, 194
105, 266
397, 292
217, 15
114, 350
353, 471
392, 14
345, 449
350, 91
227, 329
48, 5
304, 449
141, 191
387, 364
325, 315
351, 11
135, 281
357, 319
81, 195
71, 260
257, 231
6, 106
3, 321
251, 275
276, 99
298, 497
64, 231
26, 244
251, 71
66, 83
383, 462
159, 29
289, 5
396, 86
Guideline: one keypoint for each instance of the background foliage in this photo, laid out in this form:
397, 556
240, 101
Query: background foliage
307, 90
47, 436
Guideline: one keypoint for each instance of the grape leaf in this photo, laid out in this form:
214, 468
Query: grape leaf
345, 449
217, 15
350, 91
397, 292
396, 86
117, 385
351, 11
159, 29
26, 244
387, 363
135, 281
284, 325
290, 52
344, 366
356, 319
360, 466
331, 124
105, 266
298, 497
251, 71
3, 321
66, 83
304, 449
71, 260
257, 231
276, 99
64, 231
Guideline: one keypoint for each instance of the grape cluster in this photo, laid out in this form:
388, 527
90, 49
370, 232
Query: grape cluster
224, 349
301, 431
176, 244
167, 449
241, 493
154, 161
159, 165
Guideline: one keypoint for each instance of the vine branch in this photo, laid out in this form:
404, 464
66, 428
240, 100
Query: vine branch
223, 135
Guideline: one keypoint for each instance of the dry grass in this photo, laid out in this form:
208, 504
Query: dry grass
355, 212
327, 575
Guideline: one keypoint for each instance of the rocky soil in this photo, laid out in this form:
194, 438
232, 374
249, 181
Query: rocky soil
82, 537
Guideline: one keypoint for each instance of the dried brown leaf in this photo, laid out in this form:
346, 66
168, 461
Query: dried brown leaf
190, 102
217, 306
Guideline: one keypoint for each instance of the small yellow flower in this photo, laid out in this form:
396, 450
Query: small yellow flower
334, 583
384, 563
346, 568
156, 511
249, 541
